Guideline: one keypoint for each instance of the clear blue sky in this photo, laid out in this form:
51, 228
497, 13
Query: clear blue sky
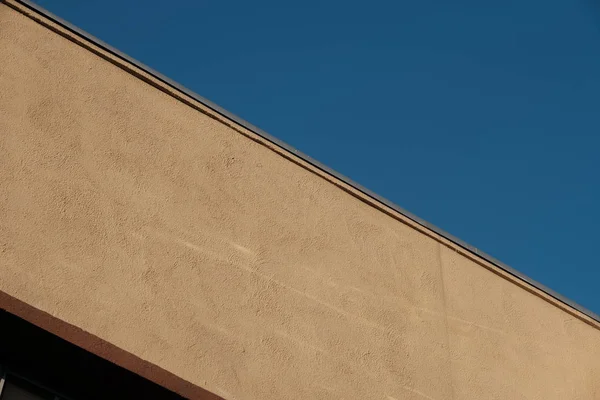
482, 117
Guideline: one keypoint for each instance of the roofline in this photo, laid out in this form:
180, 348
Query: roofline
228, 115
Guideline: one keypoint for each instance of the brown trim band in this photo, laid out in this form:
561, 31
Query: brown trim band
103, 349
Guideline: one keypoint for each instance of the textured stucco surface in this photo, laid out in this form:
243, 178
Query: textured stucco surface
162, 230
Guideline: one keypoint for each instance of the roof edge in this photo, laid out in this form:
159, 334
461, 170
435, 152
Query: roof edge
254, 129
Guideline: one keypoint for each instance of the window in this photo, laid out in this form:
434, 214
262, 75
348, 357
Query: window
14, 388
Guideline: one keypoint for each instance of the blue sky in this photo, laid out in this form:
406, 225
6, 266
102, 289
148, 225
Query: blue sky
482, 117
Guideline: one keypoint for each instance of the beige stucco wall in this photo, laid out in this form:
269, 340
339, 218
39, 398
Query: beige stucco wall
204, 250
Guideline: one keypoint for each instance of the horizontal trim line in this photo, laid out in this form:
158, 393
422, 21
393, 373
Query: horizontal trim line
307, 158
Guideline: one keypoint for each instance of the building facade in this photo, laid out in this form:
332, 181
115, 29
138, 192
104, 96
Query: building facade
152, 240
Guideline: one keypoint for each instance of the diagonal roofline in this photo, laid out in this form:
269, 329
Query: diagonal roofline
314, 163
